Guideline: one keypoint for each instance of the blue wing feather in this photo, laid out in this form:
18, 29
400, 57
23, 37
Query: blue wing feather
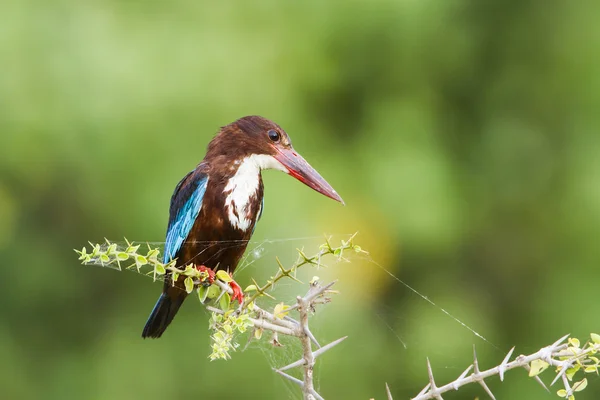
185, 207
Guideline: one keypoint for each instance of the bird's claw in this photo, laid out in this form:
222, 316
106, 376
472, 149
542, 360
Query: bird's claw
237, 293
210, 275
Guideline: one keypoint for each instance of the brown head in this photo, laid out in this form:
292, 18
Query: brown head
269, 146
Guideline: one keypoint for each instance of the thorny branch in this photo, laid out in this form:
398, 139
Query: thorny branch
226, 320
266, 320
568, 358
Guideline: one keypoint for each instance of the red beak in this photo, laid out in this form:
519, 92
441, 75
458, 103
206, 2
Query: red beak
301, 170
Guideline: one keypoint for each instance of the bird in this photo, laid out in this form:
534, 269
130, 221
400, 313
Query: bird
215, 207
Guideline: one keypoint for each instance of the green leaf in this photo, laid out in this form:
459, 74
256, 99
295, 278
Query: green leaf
189, 284
224, 276
174, 278
562, 393
537, 367
579, 386
280, 311
202, 293
225, 302
159, 268
250, 288
595, 338
258, 333
153, 254
104, 258
574, 342
112, 249
132, 249
589, 370
140, 260
122, 256
572, 371
213, 291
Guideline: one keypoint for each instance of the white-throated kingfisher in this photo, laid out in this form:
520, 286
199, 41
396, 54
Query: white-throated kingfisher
214, 208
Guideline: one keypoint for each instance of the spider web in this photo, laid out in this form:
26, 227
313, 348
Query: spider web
258, 263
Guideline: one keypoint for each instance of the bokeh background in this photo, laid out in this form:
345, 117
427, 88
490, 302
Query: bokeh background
463, 135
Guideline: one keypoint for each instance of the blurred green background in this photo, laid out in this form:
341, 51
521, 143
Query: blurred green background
463, 136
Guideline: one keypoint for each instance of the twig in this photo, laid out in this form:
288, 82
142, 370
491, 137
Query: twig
562, 355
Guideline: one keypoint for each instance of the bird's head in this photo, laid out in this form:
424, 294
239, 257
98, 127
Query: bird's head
262, 142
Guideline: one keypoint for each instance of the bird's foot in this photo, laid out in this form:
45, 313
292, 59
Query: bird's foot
210, 275
237, 291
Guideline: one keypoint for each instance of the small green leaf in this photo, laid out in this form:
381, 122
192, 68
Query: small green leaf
589, 370
537, 367
140, 260
280, 310
572, 371
213, 291
174, 278
153, 254
122, 256
112, 249
574, 342
189, 284
258, 333
595, 338
95, 250
224, 276
562, 393
579, 386
159, 269
225, 302
132, 249
250, 288
104, 258
202, 293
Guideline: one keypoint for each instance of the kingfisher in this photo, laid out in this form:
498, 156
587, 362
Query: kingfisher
214, 208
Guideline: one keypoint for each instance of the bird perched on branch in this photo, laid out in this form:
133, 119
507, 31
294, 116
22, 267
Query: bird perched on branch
215, 207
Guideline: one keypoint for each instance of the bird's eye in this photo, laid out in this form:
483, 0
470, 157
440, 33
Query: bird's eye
274, 136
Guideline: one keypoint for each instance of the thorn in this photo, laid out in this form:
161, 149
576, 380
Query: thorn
563, 369
316, 395
311, 336
462, 376
475, 362
280, 265
433, 388
290, 319
387, 391
289, 377
559, 341
538, 380
303, 256
425, 389
329, 346
316, 354
487, 389
293, 365
502, 367
477, 375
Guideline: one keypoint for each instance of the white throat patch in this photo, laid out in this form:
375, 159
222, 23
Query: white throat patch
243, 186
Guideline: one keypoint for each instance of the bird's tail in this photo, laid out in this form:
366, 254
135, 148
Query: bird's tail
162, 314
